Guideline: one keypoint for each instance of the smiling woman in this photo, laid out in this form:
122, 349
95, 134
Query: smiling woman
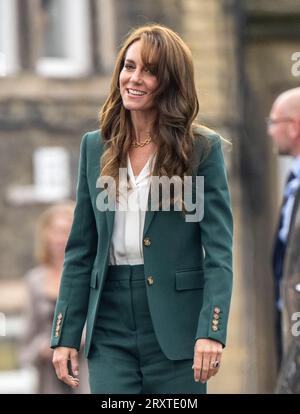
137, 86
137, 83
156, 306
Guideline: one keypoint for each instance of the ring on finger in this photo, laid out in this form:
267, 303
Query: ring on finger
214, 364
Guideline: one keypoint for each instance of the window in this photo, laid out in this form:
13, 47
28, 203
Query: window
51, 179
65, 44
8, 38
106, 32
54, 43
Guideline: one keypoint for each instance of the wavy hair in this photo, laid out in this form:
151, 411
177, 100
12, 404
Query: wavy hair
175, 99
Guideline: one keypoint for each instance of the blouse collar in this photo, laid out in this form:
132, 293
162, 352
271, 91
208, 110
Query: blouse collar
144, 173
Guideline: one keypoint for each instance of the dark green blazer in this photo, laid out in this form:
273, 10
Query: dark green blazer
190, 296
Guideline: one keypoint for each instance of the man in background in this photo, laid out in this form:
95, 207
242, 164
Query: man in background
284, 129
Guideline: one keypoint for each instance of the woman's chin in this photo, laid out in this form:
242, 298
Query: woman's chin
132, 106
135, 107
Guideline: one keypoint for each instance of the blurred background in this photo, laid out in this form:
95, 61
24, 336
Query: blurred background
56, 58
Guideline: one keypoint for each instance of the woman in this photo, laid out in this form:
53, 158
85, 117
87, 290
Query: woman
156, 309
42, 284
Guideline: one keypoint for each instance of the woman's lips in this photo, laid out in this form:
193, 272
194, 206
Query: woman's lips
135, 93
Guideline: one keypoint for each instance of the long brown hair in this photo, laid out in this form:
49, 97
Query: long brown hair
175, 99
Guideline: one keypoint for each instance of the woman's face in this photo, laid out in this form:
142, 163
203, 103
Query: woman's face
137, 83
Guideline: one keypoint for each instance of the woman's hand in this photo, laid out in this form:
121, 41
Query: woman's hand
207, 359
61, 356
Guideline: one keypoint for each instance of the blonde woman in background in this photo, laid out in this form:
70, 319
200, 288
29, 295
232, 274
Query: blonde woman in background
42, 285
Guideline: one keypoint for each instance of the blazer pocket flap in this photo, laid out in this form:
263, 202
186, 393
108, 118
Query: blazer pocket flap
189, 279
94, 278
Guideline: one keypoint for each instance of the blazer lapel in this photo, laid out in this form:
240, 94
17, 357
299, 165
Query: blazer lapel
149, 215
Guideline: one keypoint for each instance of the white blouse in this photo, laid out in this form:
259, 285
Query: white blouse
126, 245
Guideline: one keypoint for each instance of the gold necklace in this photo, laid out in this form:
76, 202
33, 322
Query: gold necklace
142, 143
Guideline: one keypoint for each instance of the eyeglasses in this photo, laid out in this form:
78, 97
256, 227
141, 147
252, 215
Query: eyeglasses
270, 121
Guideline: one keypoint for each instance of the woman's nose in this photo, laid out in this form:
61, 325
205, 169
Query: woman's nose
136, 76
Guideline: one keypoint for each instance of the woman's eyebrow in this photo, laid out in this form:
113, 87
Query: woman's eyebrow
129, 60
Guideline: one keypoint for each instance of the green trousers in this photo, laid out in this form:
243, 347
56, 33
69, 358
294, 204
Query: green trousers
125, 357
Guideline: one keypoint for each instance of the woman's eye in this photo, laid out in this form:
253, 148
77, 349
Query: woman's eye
149, 70
129, 67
